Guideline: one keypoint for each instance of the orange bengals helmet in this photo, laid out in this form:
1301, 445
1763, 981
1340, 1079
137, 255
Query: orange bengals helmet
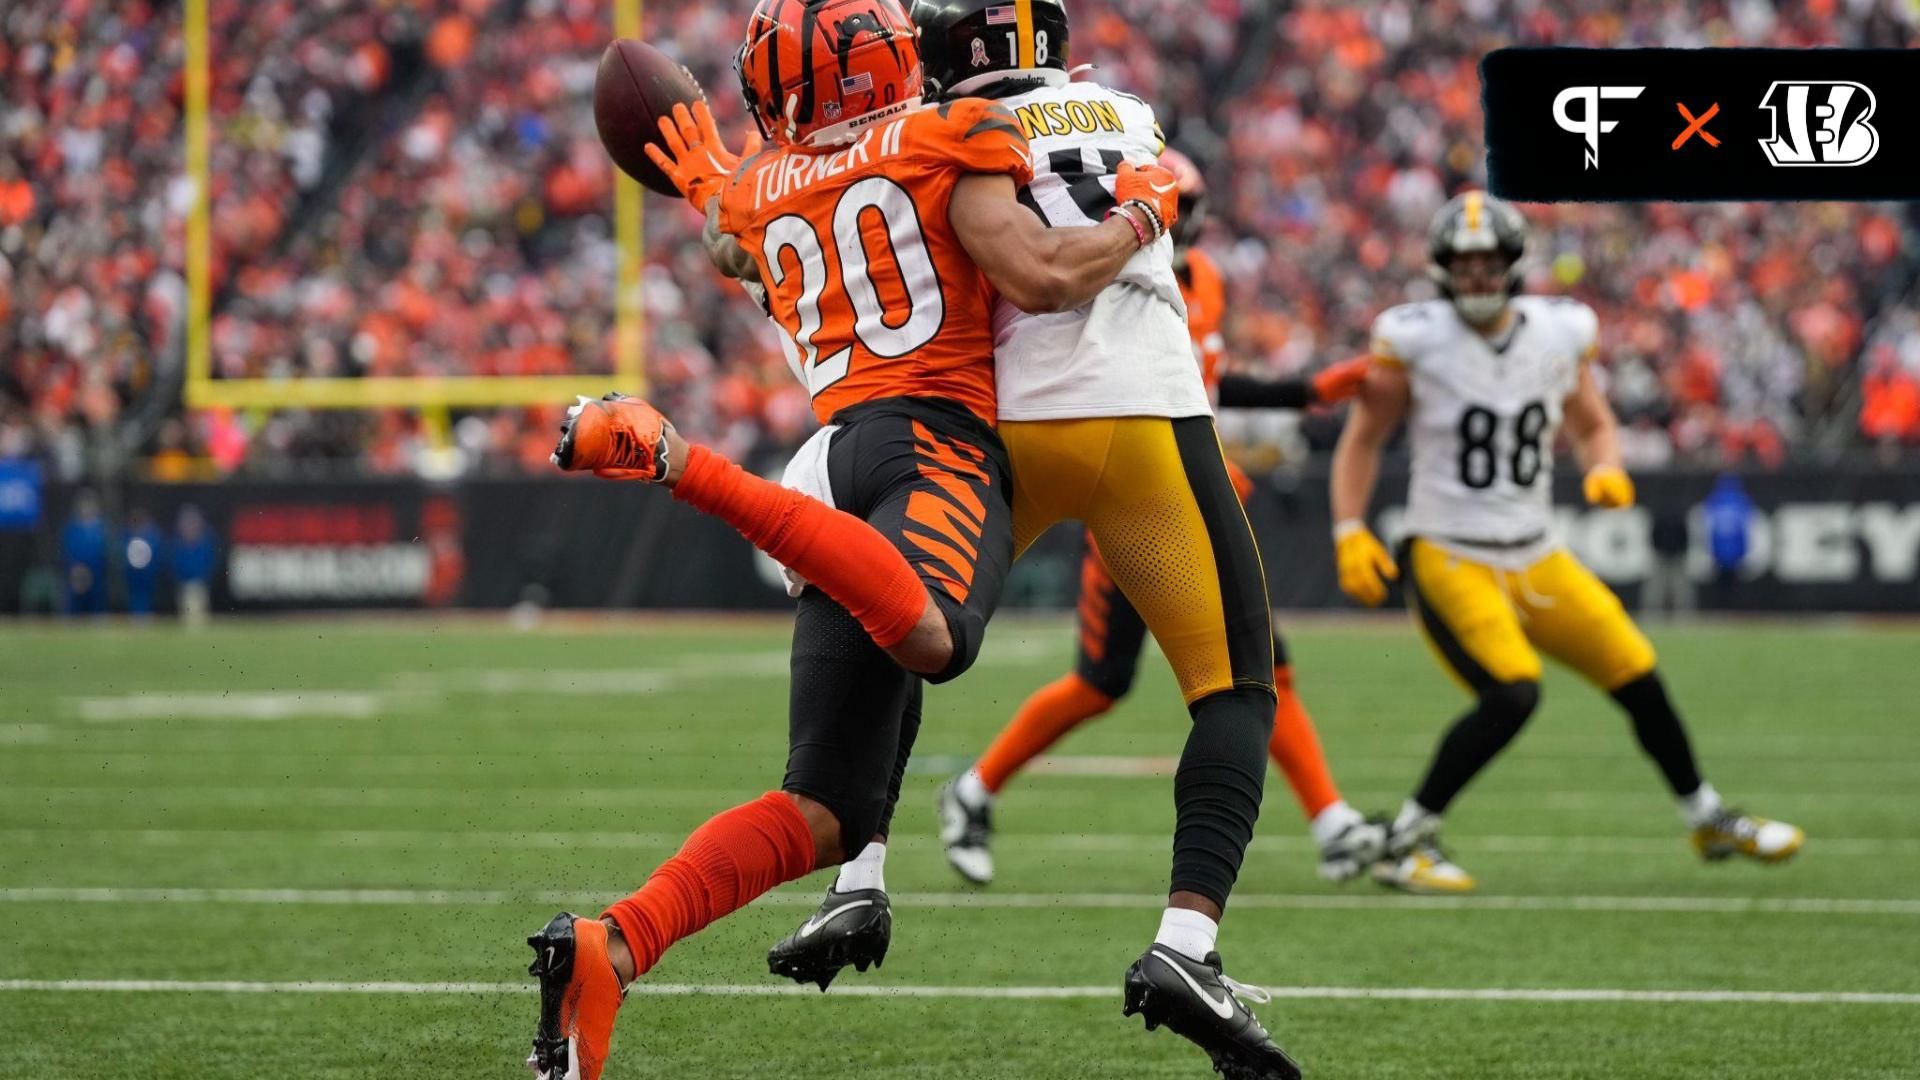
820, 71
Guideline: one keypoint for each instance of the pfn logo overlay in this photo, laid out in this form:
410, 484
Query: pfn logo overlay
1702, 124
1588, 124
1820, 123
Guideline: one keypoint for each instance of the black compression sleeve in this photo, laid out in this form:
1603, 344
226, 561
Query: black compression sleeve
1243, 392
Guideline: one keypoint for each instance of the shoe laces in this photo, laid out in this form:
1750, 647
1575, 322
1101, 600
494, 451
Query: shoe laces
1430, 847
1737, 824
1349, 838
979, 823
1259, 995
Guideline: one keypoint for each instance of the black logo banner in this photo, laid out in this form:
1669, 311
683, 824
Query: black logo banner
1619, 125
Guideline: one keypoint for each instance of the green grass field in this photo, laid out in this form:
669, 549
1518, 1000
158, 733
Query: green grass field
344, 803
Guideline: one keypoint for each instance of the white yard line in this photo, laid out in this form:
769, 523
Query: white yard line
375, 795
1688, 905
408, 687
236, 705
1123, 843
983, 993
491, 795
612, 682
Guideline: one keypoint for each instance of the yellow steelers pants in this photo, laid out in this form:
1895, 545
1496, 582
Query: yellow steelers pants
1162, 509
1485, 622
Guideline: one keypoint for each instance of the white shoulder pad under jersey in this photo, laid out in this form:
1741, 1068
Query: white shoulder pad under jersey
1128, 352
1485, 413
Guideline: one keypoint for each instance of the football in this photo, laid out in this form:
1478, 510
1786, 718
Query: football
637, 85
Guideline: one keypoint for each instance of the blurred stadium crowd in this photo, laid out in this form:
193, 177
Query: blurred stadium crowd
414, 187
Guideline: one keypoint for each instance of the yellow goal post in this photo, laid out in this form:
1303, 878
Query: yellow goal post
429, 393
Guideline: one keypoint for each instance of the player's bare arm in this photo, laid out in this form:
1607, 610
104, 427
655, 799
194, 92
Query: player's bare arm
1365, 567
724, 251
1042, 270
1595, 436
1377, 413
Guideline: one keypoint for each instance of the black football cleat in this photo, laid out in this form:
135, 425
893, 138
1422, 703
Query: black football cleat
850, 928
1203, 1006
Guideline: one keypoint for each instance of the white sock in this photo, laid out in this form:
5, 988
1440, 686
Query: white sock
1700, 807
866, 870
971, 790
1188, 933
1412, 816
1333, 821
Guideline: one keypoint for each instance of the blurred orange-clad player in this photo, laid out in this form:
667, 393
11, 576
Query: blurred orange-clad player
1112, 632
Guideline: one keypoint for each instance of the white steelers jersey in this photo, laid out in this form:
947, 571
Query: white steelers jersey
1128, 352
1484, 417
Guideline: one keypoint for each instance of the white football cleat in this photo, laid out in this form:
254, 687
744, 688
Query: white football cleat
1353, 850
1732, 832
1415, 862
967, 834
1425, 871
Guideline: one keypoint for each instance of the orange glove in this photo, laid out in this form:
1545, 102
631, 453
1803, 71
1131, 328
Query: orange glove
1242, 483
696, 158
1341, 381
1609, 488
1365, 566
1151, 192
616, 438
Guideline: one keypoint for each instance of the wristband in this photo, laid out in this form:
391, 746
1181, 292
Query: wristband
1139, 230
1153, 216
1347, 528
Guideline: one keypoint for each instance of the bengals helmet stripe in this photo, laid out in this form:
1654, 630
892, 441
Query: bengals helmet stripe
831, 67
773, 54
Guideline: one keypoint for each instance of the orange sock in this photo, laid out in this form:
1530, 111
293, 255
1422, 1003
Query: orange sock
846, 557
1296, 749
1051, 712
726, 864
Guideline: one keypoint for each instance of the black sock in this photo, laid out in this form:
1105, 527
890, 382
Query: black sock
1216, 791
1660, 732
1475, 739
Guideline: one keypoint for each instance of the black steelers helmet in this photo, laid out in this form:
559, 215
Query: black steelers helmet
1476, 221
967, 44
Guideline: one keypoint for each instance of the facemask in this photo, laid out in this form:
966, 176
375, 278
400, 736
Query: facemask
1480, 308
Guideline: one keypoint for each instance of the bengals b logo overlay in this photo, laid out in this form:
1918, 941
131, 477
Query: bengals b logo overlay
1820, 124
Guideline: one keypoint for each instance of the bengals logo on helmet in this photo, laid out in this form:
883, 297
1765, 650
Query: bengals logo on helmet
821, 71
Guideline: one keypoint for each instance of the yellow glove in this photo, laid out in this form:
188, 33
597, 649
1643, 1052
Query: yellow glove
1365, 566
1609, 488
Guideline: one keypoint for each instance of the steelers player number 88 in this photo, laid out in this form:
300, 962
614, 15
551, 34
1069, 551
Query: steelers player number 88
1479, 462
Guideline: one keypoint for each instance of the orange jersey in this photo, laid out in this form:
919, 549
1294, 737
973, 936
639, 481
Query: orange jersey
875, 292
1205, 292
